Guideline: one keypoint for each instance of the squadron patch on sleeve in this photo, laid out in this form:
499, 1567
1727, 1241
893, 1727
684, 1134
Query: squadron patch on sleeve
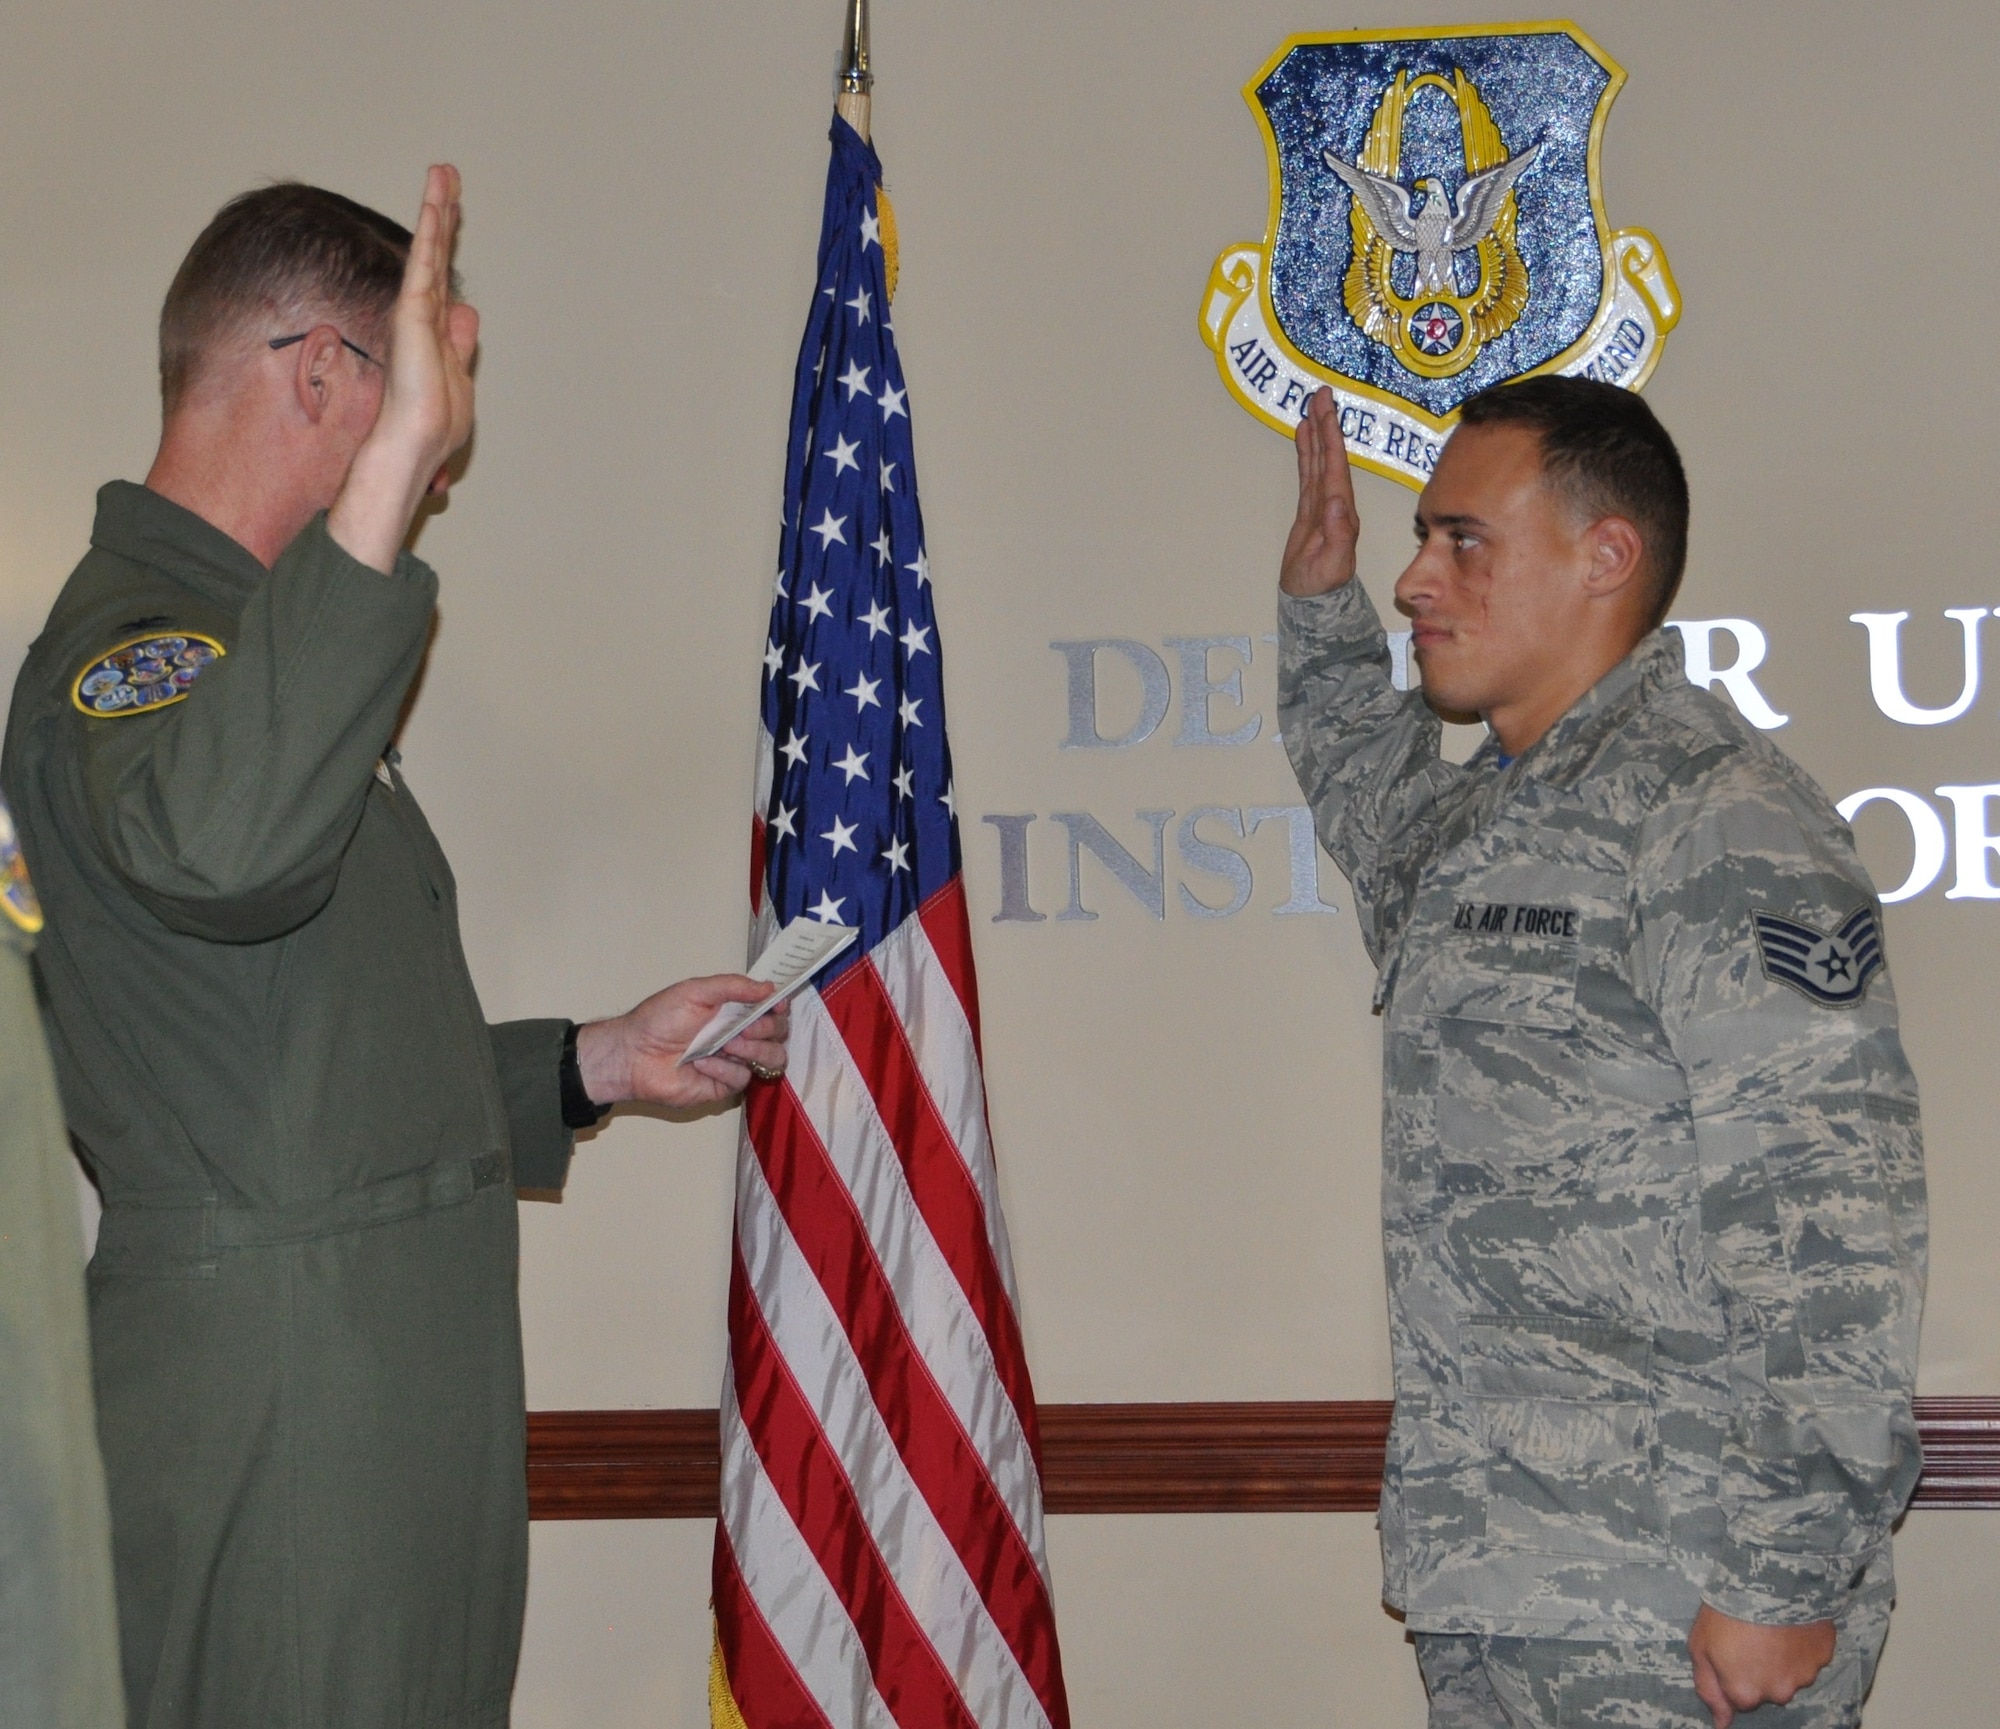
1832, 970
146, 673
17, 893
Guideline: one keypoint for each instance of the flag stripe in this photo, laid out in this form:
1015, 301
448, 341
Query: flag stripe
792, 1598
945, 1044
814, 1490
949, 927
763, 1684
807, 1333
935, 1313
933, 1165
948, 1472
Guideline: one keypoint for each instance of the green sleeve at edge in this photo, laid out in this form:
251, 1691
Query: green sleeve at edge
529, 1054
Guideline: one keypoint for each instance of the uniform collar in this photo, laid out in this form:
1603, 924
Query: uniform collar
1560, 756
137, 523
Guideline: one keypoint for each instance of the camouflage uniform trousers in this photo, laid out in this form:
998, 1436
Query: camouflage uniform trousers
1477, 1682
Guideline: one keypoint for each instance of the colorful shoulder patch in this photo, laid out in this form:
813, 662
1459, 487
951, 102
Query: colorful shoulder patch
17, 893
1832, 970
146, 673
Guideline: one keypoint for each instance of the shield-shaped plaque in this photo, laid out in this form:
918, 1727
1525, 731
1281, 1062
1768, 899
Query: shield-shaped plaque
1436, 226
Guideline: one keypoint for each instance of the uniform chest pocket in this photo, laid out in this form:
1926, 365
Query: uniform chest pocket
1515, 984
1565, 1410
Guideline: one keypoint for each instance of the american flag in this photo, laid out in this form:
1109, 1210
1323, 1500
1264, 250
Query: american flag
879, 1560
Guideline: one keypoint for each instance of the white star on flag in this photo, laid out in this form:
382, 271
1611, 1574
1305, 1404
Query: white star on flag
819, 602
922, 568
906, 711
917, 639
774, 657
793, 750
863, 691
828, 910
860, 303
876, 620
805, 677
842, 454
842, 836
853, 765
891, 402
781, 822
888, 477
871, 229
898, 855
949, 802
830, 529
881, 546
855, 378
902, 782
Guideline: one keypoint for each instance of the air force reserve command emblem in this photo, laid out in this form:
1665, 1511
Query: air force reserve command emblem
1832, 970
1437, 226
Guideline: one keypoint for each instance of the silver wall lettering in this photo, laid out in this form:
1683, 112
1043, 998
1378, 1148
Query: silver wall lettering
1198, 689
1155, 692
1304, 846
1927, 843
1698, 641
1222, 861
1976, 843
1086, 833
1015, 907
1885, 677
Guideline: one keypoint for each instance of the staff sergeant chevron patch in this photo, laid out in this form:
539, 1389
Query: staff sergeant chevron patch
1832, 970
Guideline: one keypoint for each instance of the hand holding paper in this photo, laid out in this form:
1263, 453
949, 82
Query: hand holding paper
700, 1041
788, 963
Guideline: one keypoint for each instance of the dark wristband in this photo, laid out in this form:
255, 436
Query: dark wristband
579, 1109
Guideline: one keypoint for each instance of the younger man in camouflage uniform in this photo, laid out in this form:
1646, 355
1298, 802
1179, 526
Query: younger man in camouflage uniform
1653, 1194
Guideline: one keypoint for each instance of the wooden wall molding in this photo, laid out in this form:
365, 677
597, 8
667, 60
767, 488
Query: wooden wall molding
1183, 1458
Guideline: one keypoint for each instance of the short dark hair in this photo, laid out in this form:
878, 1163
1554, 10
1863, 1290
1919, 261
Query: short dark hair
1608, 453
288, 254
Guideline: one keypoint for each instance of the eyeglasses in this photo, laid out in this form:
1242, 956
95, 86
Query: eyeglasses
287, 341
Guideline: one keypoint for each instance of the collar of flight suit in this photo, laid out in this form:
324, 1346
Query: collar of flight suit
137, 523
1562, 754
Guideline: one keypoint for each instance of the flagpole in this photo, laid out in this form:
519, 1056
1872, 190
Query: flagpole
855, 81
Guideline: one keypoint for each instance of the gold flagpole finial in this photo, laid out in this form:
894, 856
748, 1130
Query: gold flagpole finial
855, 79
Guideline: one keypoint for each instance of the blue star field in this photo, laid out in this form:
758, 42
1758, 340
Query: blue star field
860, 828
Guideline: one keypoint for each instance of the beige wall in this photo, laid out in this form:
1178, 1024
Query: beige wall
1185, 1109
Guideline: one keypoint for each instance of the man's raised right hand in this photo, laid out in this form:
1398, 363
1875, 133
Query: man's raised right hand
1319, 553
426, 413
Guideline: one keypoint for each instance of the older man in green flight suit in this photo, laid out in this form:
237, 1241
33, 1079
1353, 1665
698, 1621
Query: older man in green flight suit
303, 1301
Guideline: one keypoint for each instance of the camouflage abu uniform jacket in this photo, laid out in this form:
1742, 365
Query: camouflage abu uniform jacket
1652, 1195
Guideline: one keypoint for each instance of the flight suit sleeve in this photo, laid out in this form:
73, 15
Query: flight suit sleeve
228, 811
58, 1622
529, 1057
1365, 753
1757, 940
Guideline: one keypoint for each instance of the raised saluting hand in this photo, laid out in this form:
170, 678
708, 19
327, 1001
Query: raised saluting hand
1319, 552
426, 413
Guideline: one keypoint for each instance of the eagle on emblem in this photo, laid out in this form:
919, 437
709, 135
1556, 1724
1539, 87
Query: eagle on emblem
1434, 330
1441, 227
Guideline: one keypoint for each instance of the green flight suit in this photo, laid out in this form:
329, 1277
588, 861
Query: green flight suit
304, 1298
58, 1632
